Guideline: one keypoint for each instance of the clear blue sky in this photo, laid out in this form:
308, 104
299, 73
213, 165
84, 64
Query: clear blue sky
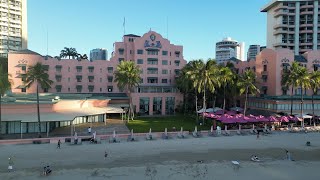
195, 24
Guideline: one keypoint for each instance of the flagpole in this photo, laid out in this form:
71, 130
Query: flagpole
124, 26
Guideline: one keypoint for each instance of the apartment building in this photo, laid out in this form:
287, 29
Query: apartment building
159, 60
13, 26
253, 51
98, 54
293, 24
228, 48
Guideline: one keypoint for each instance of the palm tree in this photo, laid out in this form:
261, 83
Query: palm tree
127, 77
5, 85
246, 85
315, 85
184, 84
38, 75
204, 76
288, 79
69, 52
303, 81
226, 77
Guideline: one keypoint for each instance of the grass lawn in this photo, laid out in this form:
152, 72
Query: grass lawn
158, 124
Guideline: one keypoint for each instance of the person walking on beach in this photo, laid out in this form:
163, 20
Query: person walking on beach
105, 155
288, 154
89, 130
10, 166
59, 144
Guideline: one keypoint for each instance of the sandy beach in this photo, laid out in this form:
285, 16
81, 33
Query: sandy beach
191, 158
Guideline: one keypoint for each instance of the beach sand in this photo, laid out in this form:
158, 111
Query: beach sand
192, 158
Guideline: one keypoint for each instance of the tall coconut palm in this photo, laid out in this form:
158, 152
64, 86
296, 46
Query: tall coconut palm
246, 85
288, 79
303, 81
5, 85
127, 77
226, 77
315, 85
69, 52
205, 76
38, 75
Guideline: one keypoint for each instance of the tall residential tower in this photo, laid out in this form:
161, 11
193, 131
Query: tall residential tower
228, 48
98, 54
13, 26
293, 24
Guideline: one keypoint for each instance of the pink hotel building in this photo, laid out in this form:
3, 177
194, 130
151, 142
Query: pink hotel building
159, 60
269, 66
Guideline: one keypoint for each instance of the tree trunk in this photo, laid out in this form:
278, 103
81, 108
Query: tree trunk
131, 106
38, 112
196, 105
245, 102
224, 98
204, 103
214, 100
312, 101
184, 104
291, 100
301, 110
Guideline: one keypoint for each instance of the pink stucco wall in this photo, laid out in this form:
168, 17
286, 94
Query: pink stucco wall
130, 46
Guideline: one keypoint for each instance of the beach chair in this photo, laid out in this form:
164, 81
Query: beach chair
165, 136
181, 135
212, 134
113, 140
226, 133
196, 134
131, 138
149, 136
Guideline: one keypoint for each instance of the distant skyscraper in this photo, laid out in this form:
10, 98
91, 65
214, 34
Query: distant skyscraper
293, 24
228, 48
253, 51
13, 26
98, 54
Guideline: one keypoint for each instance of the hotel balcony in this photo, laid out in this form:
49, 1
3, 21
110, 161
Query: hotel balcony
306, 12
264, 73
281, 13
306, 6
280, 32
280, 44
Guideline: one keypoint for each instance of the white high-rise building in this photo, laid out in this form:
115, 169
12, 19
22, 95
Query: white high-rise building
98, 54
228, 48
253, 51
13, 26
293, 24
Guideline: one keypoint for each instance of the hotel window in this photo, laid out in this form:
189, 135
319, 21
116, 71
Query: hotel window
68, 69
68, 89
152, 80
153, 61
164, 71
141, 80
100, 89
153, 52
79, 88
177, 53
316, 67
58, 88
91, 78
58, 68
100, 70
91, 69
23, 90
130, 51
90, 88
177, 62
140, 61
110, 69
100, 79
157, 105
164, 53
110, 88
79, 68
177, 72
139, 51
121, 51
164, 80
264, 78
110, 78
79, 78
23, 68
68, 79
121, 59
58, 78
164, 62
152, 71
45, 67
264, 67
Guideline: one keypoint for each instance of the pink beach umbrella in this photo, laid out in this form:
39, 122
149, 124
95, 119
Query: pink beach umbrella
284, 119
272, 119
220, 112
232, 113
262, 119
